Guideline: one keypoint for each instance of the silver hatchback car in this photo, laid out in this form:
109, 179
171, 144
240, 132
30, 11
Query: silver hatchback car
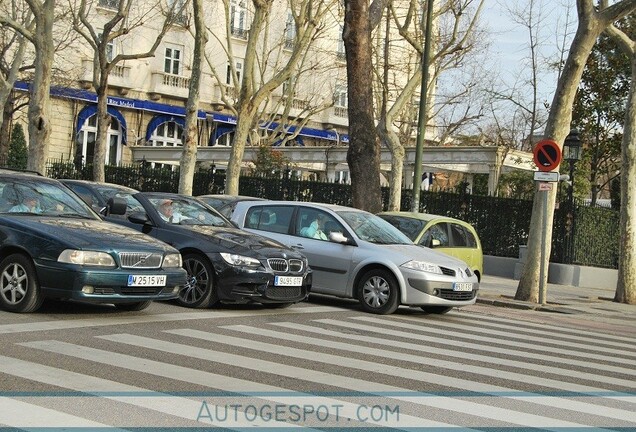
358, 255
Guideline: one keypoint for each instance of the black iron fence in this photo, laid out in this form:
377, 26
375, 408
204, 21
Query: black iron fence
583, 235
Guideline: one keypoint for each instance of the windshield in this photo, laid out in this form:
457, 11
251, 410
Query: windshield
186, 211
410, 226
41, 198
132, 204
372, 228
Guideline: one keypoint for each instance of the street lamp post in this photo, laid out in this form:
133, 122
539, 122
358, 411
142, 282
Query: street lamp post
571, 154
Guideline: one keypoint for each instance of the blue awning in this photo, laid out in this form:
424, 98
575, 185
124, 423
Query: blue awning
160, 119
90, 110
177, 111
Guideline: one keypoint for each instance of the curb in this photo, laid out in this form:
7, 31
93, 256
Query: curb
515, 304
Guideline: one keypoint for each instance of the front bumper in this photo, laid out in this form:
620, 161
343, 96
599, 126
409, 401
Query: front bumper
241, 285
431, 289
67, 281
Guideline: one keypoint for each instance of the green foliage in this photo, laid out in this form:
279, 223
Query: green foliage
18, 153
269, 162
599, 110
517, 185
600, 249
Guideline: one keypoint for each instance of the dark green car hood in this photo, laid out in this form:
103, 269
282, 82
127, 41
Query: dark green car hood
88, 234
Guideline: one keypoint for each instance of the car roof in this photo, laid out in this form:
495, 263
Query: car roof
426, 217
333, 207
95, 183
21, 173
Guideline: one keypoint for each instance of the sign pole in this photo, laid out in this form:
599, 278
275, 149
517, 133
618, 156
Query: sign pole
547, 157
544, 234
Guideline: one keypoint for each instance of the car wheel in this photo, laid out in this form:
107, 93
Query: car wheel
136, 306
199, 290
437, 309
378, 292
19, 288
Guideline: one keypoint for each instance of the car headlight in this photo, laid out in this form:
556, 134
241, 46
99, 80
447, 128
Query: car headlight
240, 260
88, 258
423, 266
172, 260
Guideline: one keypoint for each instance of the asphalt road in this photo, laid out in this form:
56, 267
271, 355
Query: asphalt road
318, 364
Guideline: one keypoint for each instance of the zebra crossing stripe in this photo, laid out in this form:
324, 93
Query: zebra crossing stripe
15, 413
464, 385
466, 407
491, 342
470, 357
558, 339
526, 355
115, 391
224, 383
110, 320
547, 329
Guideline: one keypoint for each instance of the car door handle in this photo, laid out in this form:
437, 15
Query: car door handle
297, 247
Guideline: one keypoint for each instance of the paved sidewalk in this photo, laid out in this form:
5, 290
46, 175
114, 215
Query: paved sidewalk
566, 299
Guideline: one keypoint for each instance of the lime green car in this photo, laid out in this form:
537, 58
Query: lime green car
451, 236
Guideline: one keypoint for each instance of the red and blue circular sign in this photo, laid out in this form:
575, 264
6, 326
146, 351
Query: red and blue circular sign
547, 155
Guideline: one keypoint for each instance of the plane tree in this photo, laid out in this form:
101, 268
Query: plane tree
592, 21
626, 284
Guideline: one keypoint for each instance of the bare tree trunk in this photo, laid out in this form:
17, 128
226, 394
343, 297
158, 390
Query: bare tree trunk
5, 129
397, 167
40, 104
103, 124
591, 24
363, 155
626, 284
241, 135
190, 135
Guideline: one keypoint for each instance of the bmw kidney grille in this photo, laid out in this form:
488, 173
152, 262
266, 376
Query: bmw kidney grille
281, 265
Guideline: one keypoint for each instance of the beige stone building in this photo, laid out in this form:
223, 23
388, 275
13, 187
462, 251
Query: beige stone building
148, 95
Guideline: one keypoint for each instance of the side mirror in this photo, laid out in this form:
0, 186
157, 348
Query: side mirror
338, 237
435, 243
115, 206
139, 218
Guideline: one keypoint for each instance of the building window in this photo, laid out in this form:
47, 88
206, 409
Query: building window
290, 31
172, 61
109, 4
340, 96
178, 11
238, 16
167, 134
340, 50
88, 135
228, 75
110, 49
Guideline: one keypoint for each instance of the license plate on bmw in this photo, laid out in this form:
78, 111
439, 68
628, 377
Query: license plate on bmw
463, 286
288, 280
146, 280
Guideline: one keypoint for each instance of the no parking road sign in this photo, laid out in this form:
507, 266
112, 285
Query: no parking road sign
547, 155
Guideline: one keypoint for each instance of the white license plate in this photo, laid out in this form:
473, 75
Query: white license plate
288, 280
463, 286
139, 280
